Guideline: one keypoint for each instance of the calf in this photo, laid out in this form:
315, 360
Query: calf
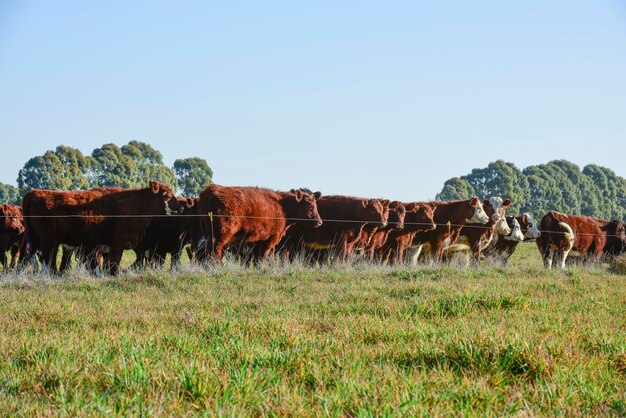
167, 236
372, 242
345, 220
477, 237
523, 228
450, 218
420, 217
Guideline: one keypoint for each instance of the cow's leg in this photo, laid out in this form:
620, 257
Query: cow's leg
48, 259
3, 259
139, 258
175, 263
221, 241
114, 260
66, 258
15, 252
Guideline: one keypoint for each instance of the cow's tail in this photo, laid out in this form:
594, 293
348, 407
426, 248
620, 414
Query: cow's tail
568, 233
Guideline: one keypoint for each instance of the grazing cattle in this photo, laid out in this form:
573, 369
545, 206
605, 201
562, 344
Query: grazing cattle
419, 217
523, 228
252, 216
476, 238
372, 242
167, 236
591, 237
345, 220
109, 221
450, 218
11, 233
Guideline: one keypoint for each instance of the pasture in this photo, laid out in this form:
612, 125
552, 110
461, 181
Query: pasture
345, 340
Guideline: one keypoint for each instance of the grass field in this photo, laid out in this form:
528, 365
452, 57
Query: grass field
341, 341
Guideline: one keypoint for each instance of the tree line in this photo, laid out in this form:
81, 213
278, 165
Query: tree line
558, 185
130, 166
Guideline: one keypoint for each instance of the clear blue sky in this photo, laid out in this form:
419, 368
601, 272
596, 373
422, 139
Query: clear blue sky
365, 98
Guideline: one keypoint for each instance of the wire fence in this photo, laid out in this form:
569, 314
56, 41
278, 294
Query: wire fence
448, 225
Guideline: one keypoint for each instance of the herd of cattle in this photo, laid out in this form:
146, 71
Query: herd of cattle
96, 226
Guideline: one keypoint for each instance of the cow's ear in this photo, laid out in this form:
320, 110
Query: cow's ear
154, 186
365, 203
524, 219
317, 195
190, 203
298, 194
410, 207
506, 203
385, 202
292, 191
474, 201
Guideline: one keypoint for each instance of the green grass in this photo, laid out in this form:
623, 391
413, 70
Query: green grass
342, 341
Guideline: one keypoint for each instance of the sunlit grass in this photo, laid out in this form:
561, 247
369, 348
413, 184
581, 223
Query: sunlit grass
292, 340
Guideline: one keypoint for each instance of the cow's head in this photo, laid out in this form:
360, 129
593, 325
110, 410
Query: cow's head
188, 205
303, 205
494, 208
172, 205
529, 226
397, 214
516, 230
499, 206
376, 211
477, 212
11, 219
422, 217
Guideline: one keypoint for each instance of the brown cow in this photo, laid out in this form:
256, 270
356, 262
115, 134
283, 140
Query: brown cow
11, 233
345, 219
450, 217
523, 228
252, 216
476, 238
591, 237
419, 217
371, 242
167, 236
109, 223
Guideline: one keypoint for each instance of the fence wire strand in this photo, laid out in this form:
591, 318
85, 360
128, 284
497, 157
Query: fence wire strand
288, 219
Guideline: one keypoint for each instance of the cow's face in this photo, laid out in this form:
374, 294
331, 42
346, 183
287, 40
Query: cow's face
499, 206
188, 205
172, 205
502, 227
516, 231
10, 219
529, 226
377, 211
426, 217
478, 215
305, 205
397, 214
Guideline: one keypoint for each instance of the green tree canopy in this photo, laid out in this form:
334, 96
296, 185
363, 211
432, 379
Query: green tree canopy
193, 175
558, 185
131, 166
10, 194
500, 178
456, 188
62, 169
